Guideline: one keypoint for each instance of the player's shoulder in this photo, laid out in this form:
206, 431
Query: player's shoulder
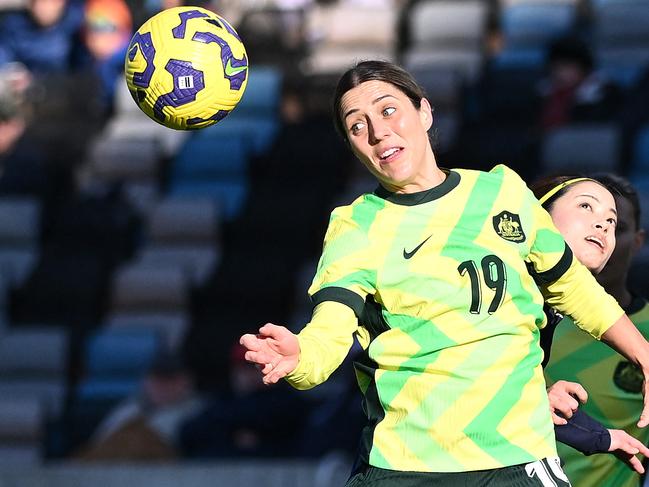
355, 212
365, 201
506, 173
500, 174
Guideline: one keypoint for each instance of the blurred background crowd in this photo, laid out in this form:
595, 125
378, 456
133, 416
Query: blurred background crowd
132, 256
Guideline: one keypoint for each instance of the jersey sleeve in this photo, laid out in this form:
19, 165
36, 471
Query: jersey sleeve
324, 344
578, 294
343, 280
345, 273
565, 283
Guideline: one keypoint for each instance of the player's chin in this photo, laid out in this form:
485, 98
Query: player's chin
594, 262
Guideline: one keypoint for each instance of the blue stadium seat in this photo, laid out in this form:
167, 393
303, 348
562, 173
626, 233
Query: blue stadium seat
215, 166
219, 156
230, 195
536, 23
532, 58
120, 355
114, 363
263, 93
620, 23
256, 117
39, 374
623, 65
581, 148
259, 131
106, 389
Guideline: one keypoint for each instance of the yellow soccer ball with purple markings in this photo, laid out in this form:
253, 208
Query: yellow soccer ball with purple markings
186, 68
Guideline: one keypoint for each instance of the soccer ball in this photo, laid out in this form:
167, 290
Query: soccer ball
186, 68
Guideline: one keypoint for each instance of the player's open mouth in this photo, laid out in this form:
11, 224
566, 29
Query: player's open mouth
390, 154
596, 241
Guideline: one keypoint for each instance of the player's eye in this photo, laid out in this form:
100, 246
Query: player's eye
612, 222
356, 127
585, 206
388, 111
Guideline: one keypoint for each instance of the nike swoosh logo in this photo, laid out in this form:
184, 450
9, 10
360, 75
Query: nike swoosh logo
408, 255
231, 70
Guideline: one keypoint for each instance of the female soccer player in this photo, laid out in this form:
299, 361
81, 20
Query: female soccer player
437, 265
613, 384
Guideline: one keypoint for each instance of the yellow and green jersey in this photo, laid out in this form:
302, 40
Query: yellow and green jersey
439, 287
614, 389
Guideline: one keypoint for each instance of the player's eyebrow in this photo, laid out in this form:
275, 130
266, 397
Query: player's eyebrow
374, 102
588, 195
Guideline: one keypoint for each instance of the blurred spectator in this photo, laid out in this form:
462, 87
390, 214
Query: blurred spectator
107, 30
573, 91
44, 37
146, 427
25, 166
251, 421
13, 115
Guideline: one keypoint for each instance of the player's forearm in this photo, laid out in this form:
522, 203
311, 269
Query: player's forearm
584, 434
625, 338
324, 344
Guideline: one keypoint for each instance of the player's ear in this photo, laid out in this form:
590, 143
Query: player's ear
426, 114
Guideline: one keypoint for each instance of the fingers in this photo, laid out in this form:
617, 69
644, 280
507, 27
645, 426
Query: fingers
636, 464
262, 357
272, 331
644, 417
277, 372
567, 408
572, 389
642, 448
626, 447
633, 445
250, 341
558, 420
268, 331
258, 351
575, 389
566, 405
275, 351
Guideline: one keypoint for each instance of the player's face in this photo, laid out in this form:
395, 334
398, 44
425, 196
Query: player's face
586, 216
389, 135
628, 242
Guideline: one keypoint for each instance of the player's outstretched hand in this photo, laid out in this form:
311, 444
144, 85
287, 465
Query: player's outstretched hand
564, 399
626, 447
275, 350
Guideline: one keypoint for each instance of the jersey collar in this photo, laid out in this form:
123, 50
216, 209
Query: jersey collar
420, 197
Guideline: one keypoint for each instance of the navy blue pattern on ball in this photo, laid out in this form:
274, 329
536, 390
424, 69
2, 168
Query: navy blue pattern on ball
145, 45
217, 117
179, 30
187, 83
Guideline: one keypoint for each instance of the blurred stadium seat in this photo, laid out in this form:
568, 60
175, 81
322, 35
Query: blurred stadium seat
581, 148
